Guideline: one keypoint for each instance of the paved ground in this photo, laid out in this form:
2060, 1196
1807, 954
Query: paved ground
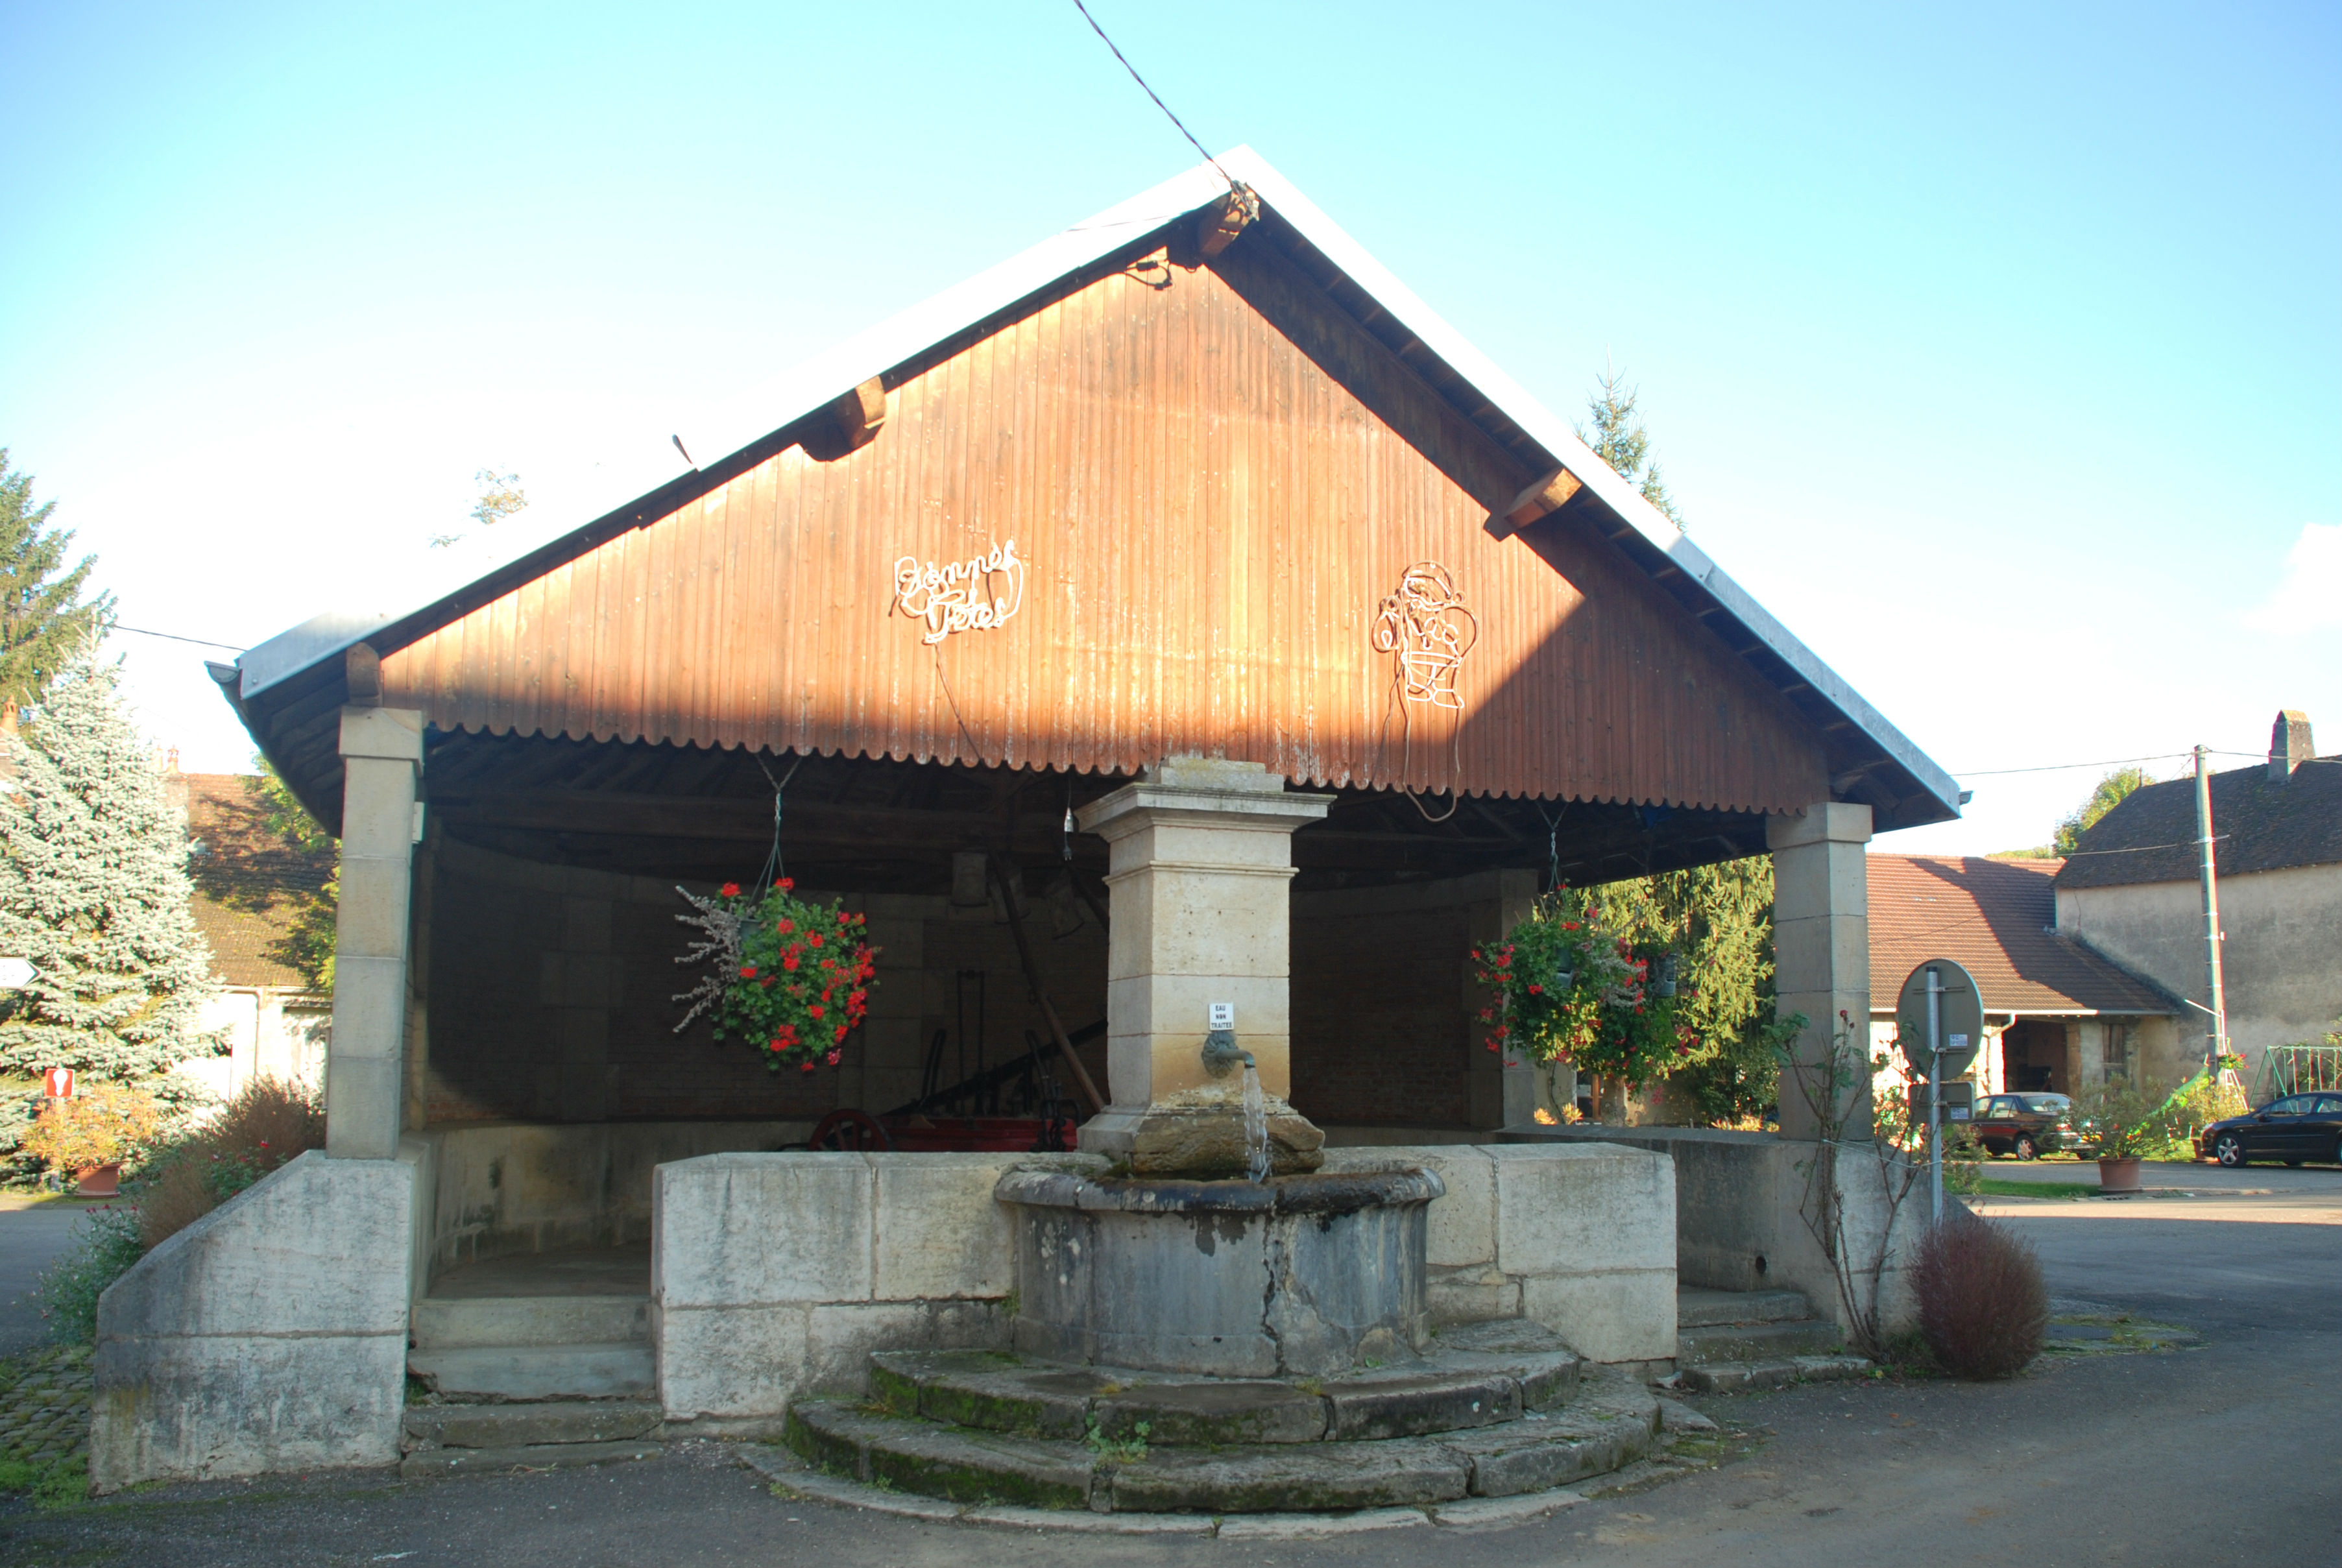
2212, 1457
31, 1237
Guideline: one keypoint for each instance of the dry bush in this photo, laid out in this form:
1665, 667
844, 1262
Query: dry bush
267, 1123
1984, 1308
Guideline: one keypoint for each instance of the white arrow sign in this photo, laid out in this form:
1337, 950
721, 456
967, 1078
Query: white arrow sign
15, 973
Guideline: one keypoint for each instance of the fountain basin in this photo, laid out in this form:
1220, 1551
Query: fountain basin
1303, 1275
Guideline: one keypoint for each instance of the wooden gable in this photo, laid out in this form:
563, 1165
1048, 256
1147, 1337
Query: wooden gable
1213, 480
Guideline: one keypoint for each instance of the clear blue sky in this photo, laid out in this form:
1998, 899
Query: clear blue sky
1996, 348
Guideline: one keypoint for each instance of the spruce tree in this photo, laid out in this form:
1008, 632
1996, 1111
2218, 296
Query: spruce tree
43, 616
94, 891
1619, 439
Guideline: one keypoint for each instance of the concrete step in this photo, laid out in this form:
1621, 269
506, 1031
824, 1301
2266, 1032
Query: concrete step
1757, 1341
426, 1463
1731, 1376
468, 1322
1605, 1433
1697, 1308
530, 1424
1475, 1377
622, 1371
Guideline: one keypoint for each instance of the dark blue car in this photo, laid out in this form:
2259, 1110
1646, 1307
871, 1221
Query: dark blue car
2297, 1128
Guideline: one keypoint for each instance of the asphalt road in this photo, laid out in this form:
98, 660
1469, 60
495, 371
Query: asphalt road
2210, 1456
31, 1238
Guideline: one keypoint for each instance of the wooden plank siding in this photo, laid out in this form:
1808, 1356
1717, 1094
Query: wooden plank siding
1215, 483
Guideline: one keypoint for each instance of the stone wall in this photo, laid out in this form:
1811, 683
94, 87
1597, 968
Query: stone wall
503, 1187
1738, 1209
2277, 972
269, 1335
1386, 1011
774, 1275
1580, 1237
552, 995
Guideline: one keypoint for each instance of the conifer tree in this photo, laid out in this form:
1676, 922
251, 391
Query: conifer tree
43, 616
1619, 439
94, 891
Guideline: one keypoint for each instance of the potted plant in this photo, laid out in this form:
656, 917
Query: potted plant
91, 1133
1565, 985
2128, 1124
790, 977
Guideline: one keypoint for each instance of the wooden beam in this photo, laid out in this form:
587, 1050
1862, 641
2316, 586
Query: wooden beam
1219, 224
859, 413
362, 666
1544, 494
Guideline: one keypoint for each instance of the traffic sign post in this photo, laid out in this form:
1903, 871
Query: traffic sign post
57, 1082
1939, 1018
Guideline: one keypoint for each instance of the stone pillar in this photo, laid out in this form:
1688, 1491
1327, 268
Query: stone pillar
1201, 864
1821, 947
382, 757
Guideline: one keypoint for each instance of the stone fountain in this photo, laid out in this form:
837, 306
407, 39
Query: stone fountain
1209, 1319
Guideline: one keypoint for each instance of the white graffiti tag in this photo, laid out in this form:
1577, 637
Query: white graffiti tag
971, 595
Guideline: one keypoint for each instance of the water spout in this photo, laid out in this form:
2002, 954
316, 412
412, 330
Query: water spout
1256, 1119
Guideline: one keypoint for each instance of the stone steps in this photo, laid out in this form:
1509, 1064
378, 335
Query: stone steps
1731, 1376
1478, 1377
1714, 1327
1697, 1308
968, 1465
470, 1323
425, 1463
552, 1371
578, 1420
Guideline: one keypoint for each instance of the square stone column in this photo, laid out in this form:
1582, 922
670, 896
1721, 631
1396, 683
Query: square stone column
1821, 947
1201, 866
382, 758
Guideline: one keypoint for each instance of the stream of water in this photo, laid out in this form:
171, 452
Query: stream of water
1255, 1127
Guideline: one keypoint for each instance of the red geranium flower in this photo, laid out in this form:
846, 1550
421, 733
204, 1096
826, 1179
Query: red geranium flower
816, 1009
784, 883
747, 972
731, 890
815, 939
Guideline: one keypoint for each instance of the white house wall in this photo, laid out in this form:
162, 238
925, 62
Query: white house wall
2281, 964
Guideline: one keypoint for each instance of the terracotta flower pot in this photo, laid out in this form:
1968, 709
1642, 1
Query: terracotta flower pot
2118, 1176
99, 1180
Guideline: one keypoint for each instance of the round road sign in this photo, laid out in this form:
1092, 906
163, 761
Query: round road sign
1959, 1017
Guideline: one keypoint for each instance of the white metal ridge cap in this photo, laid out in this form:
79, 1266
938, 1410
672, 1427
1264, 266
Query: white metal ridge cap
319, 637
1559, 438
812, 383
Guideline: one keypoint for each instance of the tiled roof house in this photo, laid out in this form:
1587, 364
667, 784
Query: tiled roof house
2058, 1015
2132, 891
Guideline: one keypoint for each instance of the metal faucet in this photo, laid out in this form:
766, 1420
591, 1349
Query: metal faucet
1220, 1053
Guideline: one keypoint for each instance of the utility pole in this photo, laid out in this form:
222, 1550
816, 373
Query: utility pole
2216, 1043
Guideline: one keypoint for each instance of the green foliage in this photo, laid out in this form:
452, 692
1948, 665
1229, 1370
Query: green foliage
1131, 1450
2130, 1121
1569, 984
307, 943
1719, 918
94, 891
51, 1485
1619, 439
2110, 793
43, 616
105, 1247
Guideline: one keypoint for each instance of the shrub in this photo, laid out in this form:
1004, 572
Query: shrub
267, 1123
1984, 1309
102, 1124
107, 1245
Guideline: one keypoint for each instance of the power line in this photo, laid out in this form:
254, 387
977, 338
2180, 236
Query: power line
2064, 767
1152, 94
175, 637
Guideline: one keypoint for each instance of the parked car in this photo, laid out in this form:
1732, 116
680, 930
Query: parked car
2027, 1125
2297, 1128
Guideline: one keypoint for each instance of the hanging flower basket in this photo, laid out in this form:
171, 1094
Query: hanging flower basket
790, 977
1567, 987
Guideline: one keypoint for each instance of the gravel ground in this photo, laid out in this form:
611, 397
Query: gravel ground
2202, 1456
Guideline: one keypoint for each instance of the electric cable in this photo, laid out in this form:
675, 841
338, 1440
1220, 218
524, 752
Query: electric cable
1152, 94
